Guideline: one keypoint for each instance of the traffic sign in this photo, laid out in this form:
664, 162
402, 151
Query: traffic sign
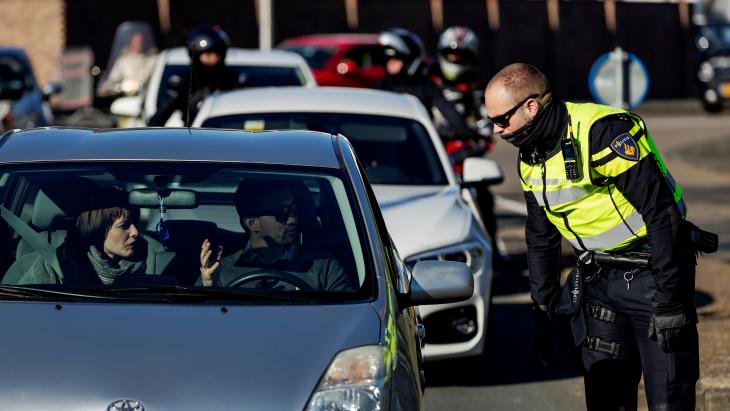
618, 78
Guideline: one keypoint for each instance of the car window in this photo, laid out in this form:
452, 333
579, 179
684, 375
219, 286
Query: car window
278, 230
248, 76
316, 57
393, 150
366, 56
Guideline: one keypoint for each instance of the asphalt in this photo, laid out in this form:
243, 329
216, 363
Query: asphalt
698, 156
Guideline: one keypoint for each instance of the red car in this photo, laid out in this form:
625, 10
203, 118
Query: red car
347, 60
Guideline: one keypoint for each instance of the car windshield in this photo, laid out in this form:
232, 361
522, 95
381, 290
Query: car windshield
248, 76
15, 73
316, 57
145, 228
393, 150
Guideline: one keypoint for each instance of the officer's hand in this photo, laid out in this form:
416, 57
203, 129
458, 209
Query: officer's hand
542, 341
671, 328
542, 347
540, 317
206, 269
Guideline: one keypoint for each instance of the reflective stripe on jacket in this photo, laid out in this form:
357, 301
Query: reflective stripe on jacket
590, 211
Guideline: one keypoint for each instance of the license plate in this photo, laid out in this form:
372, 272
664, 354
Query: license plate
725, 90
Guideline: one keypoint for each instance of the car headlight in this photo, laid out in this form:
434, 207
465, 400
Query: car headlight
706, 72
471, 253
354, 381
703, 43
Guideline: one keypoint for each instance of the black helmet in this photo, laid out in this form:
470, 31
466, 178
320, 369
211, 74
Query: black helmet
404, 45
207, 38
458, 48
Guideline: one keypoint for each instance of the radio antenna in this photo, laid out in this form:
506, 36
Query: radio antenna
188, 121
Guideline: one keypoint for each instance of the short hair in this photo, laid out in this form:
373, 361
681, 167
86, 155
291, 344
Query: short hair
521, 78
104, 207
256, 196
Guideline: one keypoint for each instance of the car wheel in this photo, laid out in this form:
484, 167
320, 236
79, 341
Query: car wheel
712, 107
478, 368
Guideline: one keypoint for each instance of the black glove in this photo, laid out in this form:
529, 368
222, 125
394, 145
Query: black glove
672, 328
542, 341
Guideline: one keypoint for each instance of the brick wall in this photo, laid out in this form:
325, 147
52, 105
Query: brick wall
36, 26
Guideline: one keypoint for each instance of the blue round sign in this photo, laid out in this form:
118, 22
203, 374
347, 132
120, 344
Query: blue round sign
618, 78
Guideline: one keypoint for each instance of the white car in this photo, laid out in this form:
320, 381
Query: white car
427, 210
256, 68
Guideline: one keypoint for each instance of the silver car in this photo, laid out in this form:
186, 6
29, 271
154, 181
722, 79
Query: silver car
156, 337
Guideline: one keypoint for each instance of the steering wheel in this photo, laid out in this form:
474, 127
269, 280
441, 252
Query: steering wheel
271, 274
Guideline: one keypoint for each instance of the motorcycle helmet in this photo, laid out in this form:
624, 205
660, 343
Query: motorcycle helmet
404, 45
458, 49
207, 38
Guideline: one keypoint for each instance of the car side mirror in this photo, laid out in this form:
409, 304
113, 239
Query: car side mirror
481, 171
51, 89
347, 67
439, 282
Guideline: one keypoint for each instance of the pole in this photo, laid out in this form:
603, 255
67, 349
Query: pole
265, 24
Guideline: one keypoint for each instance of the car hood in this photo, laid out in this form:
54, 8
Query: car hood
85, 356
422, 218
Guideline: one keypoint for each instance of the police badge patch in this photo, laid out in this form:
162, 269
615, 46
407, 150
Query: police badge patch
625, 147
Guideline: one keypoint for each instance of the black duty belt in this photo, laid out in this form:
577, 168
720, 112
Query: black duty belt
591, 262
623, 260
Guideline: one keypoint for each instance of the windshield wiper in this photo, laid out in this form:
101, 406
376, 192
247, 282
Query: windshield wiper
189, 294
22, 291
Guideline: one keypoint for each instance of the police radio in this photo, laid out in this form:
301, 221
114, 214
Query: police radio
569, 157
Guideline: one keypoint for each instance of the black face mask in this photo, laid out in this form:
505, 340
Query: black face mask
527, 134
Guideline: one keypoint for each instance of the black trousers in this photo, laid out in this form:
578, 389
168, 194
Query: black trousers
611, 382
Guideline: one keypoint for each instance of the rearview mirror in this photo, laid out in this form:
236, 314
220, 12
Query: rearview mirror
481, 171
176, 198
439, 282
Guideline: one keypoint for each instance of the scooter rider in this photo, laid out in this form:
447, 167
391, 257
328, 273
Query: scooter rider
592, 174
207, 47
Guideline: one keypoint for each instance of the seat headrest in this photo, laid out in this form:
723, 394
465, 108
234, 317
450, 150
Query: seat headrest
61, 199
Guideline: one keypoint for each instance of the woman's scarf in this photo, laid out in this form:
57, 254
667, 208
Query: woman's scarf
108, 270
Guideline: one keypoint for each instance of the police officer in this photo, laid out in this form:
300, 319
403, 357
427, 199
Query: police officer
592, 175
207, 47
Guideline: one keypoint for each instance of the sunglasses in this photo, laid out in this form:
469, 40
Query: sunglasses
284, 213
502, 120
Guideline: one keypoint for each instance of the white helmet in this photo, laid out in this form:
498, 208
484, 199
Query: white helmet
458, 48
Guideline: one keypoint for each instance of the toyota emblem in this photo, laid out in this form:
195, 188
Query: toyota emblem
125, 405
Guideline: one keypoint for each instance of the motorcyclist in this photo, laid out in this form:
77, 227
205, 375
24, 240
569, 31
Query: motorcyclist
456, 74
207, 47
406, 72
457, 77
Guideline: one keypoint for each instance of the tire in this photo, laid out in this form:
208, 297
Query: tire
478, 367
712, 107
